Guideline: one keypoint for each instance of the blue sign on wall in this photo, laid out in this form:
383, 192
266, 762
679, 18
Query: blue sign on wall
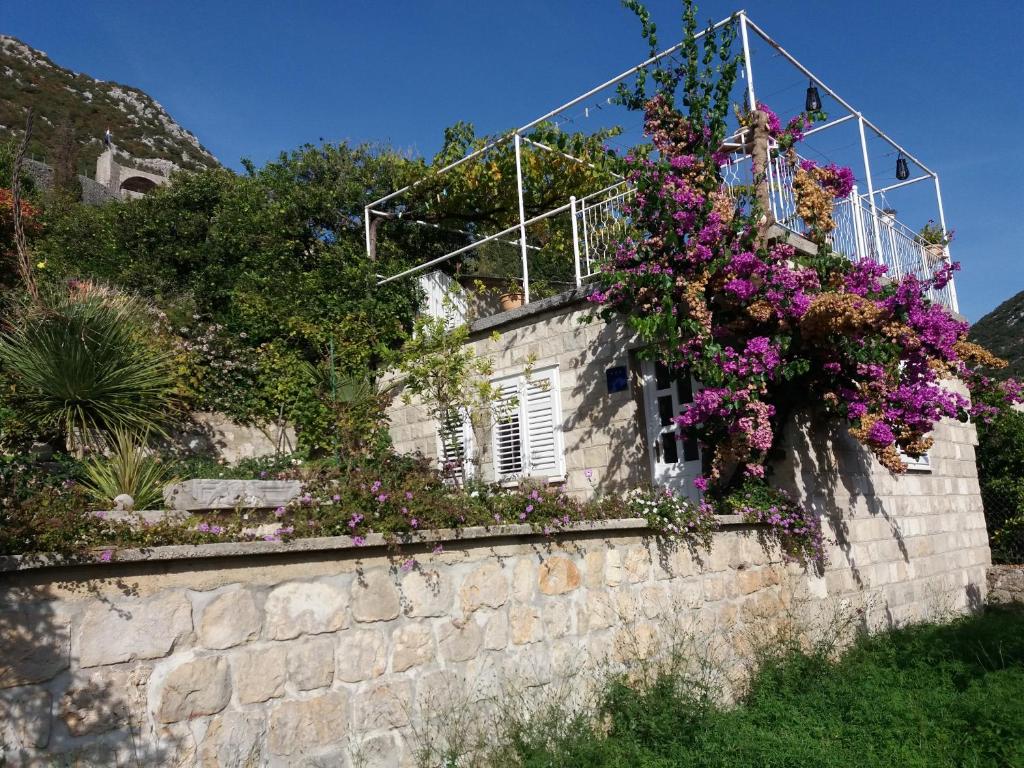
618, 380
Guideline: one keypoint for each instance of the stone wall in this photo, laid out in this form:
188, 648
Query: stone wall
1006, 584
877, 519
601, 431
93, 193
217, 435
315, 652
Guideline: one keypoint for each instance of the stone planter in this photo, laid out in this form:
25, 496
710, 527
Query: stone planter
229, 494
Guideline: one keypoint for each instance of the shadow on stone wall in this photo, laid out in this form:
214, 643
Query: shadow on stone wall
55, 713
217, 436
833, 476
597, 420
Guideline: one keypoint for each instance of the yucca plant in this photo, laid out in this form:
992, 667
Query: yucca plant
86, 363
127, 469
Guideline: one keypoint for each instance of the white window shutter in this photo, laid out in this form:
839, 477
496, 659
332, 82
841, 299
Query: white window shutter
508, 432
443, 298
527, 433
540, 410
922, 463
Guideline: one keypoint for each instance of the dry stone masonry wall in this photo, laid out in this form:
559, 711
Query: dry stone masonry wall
340, 657
1006, 584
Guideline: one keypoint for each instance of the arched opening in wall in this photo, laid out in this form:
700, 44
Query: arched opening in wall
136, 186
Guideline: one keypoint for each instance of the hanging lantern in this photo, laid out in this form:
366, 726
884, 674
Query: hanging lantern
813, 103
902, 169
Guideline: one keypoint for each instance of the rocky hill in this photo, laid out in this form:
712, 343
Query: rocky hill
73, 110
1002, 331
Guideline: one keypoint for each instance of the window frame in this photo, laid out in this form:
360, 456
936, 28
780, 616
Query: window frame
922, 463
520, 411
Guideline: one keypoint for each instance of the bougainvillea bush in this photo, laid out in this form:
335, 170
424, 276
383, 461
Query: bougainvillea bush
763, 327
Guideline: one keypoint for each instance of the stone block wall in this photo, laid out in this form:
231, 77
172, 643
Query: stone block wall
892, 531
217, 435
601, 430
316, 652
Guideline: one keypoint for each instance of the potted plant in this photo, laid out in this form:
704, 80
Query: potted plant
511, 296
935, 240
889, 215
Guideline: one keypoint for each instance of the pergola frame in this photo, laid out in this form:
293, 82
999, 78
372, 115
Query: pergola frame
518, 137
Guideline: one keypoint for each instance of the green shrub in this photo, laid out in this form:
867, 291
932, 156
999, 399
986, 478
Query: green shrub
129, 469
86, 362
1001, 473
51, 519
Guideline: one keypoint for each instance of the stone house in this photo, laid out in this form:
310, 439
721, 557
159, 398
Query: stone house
579, 407
593, 417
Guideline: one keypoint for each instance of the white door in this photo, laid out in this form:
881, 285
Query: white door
675, 462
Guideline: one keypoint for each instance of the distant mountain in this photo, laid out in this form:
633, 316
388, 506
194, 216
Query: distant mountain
1002, 331
73, 107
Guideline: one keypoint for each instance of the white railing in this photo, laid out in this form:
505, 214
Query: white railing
888, 241
602, 222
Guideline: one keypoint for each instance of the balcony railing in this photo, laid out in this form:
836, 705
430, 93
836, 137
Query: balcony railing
862, 233
859, 234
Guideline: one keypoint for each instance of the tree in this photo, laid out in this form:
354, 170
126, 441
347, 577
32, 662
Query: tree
273, 260
479, 197
440, 368
65, 161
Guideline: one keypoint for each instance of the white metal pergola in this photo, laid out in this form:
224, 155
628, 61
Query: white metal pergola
862, 232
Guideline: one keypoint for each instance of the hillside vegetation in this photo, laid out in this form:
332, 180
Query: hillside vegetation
1002, 331
75, 104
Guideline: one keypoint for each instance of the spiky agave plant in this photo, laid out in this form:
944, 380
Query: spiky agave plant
129, 469
87, 363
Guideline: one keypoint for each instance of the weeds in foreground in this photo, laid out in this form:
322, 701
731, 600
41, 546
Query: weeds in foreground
925, 695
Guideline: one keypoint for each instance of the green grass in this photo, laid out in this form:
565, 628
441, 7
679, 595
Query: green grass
935, 695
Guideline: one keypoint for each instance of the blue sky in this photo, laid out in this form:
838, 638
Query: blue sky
943, 77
